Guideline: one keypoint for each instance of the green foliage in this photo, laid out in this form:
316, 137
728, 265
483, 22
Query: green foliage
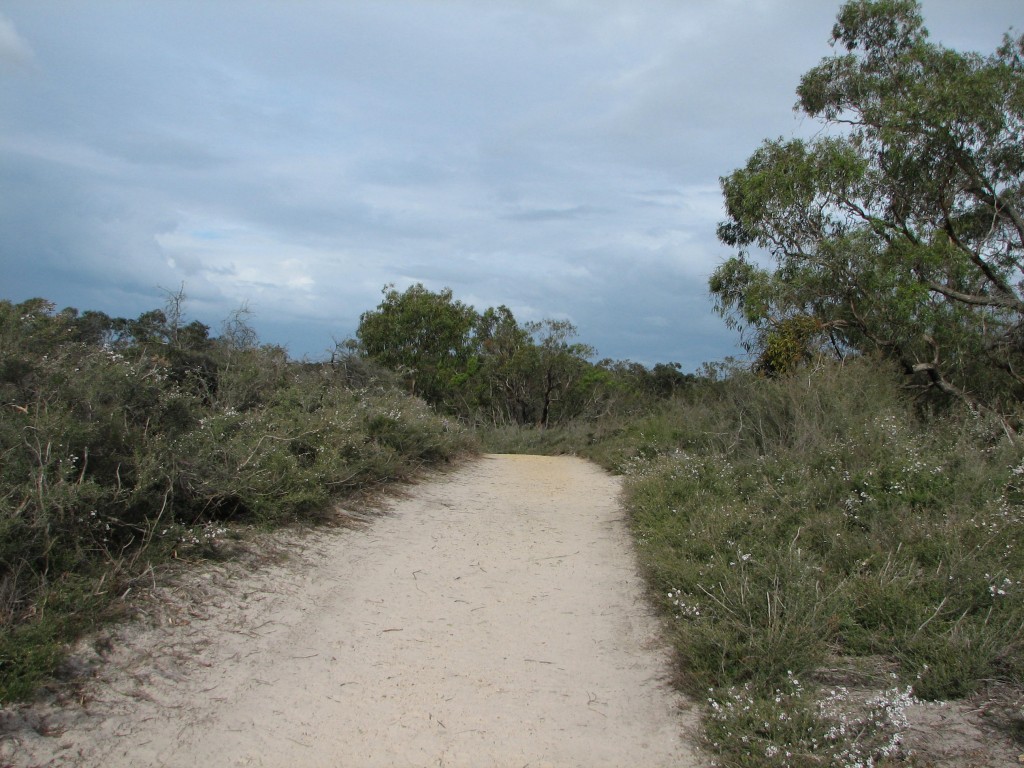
30, 650
490, 369
555, 374
901, 231
787, 345
124, 441
794, 527
423, 335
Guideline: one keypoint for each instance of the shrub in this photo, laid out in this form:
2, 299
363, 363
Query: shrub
784, 523
113, 456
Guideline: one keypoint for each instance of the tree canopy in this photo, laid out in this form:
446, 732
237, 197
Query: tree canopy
900, 228
487, 367
423, 335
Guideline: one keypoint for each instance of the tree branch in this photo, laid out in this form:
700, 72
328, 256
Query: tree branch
1012, 300
974, 299
984, 193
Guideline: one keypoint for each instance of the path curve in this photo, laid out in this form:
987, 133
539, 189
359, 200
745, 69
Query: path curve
494, 617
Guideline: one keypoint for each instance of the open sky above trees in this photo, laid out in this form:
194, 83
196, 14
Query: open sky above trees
560, 158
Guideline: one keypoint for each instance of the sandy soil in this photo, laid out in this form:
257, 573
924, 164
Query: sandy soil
494, 617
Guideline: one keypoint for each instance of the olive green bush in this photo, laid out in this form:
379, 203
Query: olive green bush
124, 441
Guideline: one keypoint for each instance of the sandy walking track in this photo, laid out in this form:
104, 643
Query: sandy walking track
492, 618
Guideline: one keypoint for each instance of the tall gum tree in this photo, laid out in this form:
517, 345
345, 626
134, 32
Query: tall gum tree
900, 229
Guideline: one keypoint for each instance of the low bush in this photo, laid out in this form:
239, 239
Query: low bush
116, 454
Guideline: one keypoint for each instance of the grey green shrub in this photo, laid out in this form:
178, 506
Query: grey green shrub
120, 447
786, 524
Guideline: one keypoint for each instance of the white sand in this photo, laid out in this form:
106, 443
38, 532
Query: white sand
492, 618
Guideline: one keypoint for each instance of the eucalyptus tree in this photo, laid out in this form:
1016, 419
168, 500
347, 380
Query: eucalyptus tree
504, 348
425, 336
900, 228
557, 369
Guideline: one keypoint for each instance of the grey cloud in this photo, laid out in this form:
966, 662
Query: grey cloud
15, 52
156, 149
554, 214
558, 157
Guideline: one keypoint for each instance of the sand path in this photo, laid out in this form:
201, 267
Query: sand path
494, 617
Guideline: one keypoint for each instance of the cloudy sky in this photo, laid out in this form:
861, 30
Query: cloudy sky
561, 157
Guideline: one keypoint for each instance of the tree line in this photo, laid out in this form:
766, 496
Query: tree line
490, 369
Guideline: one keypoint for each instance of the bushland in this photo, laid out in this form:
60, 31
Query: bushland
814, 535
126, 442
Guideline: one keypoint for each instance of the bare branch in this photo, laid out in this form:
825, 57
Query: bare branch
986, 268
998, 300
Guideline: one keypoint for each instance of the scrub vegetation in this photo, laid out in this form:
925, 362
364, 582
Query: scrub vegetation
831, 533
127, 442
813, 534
